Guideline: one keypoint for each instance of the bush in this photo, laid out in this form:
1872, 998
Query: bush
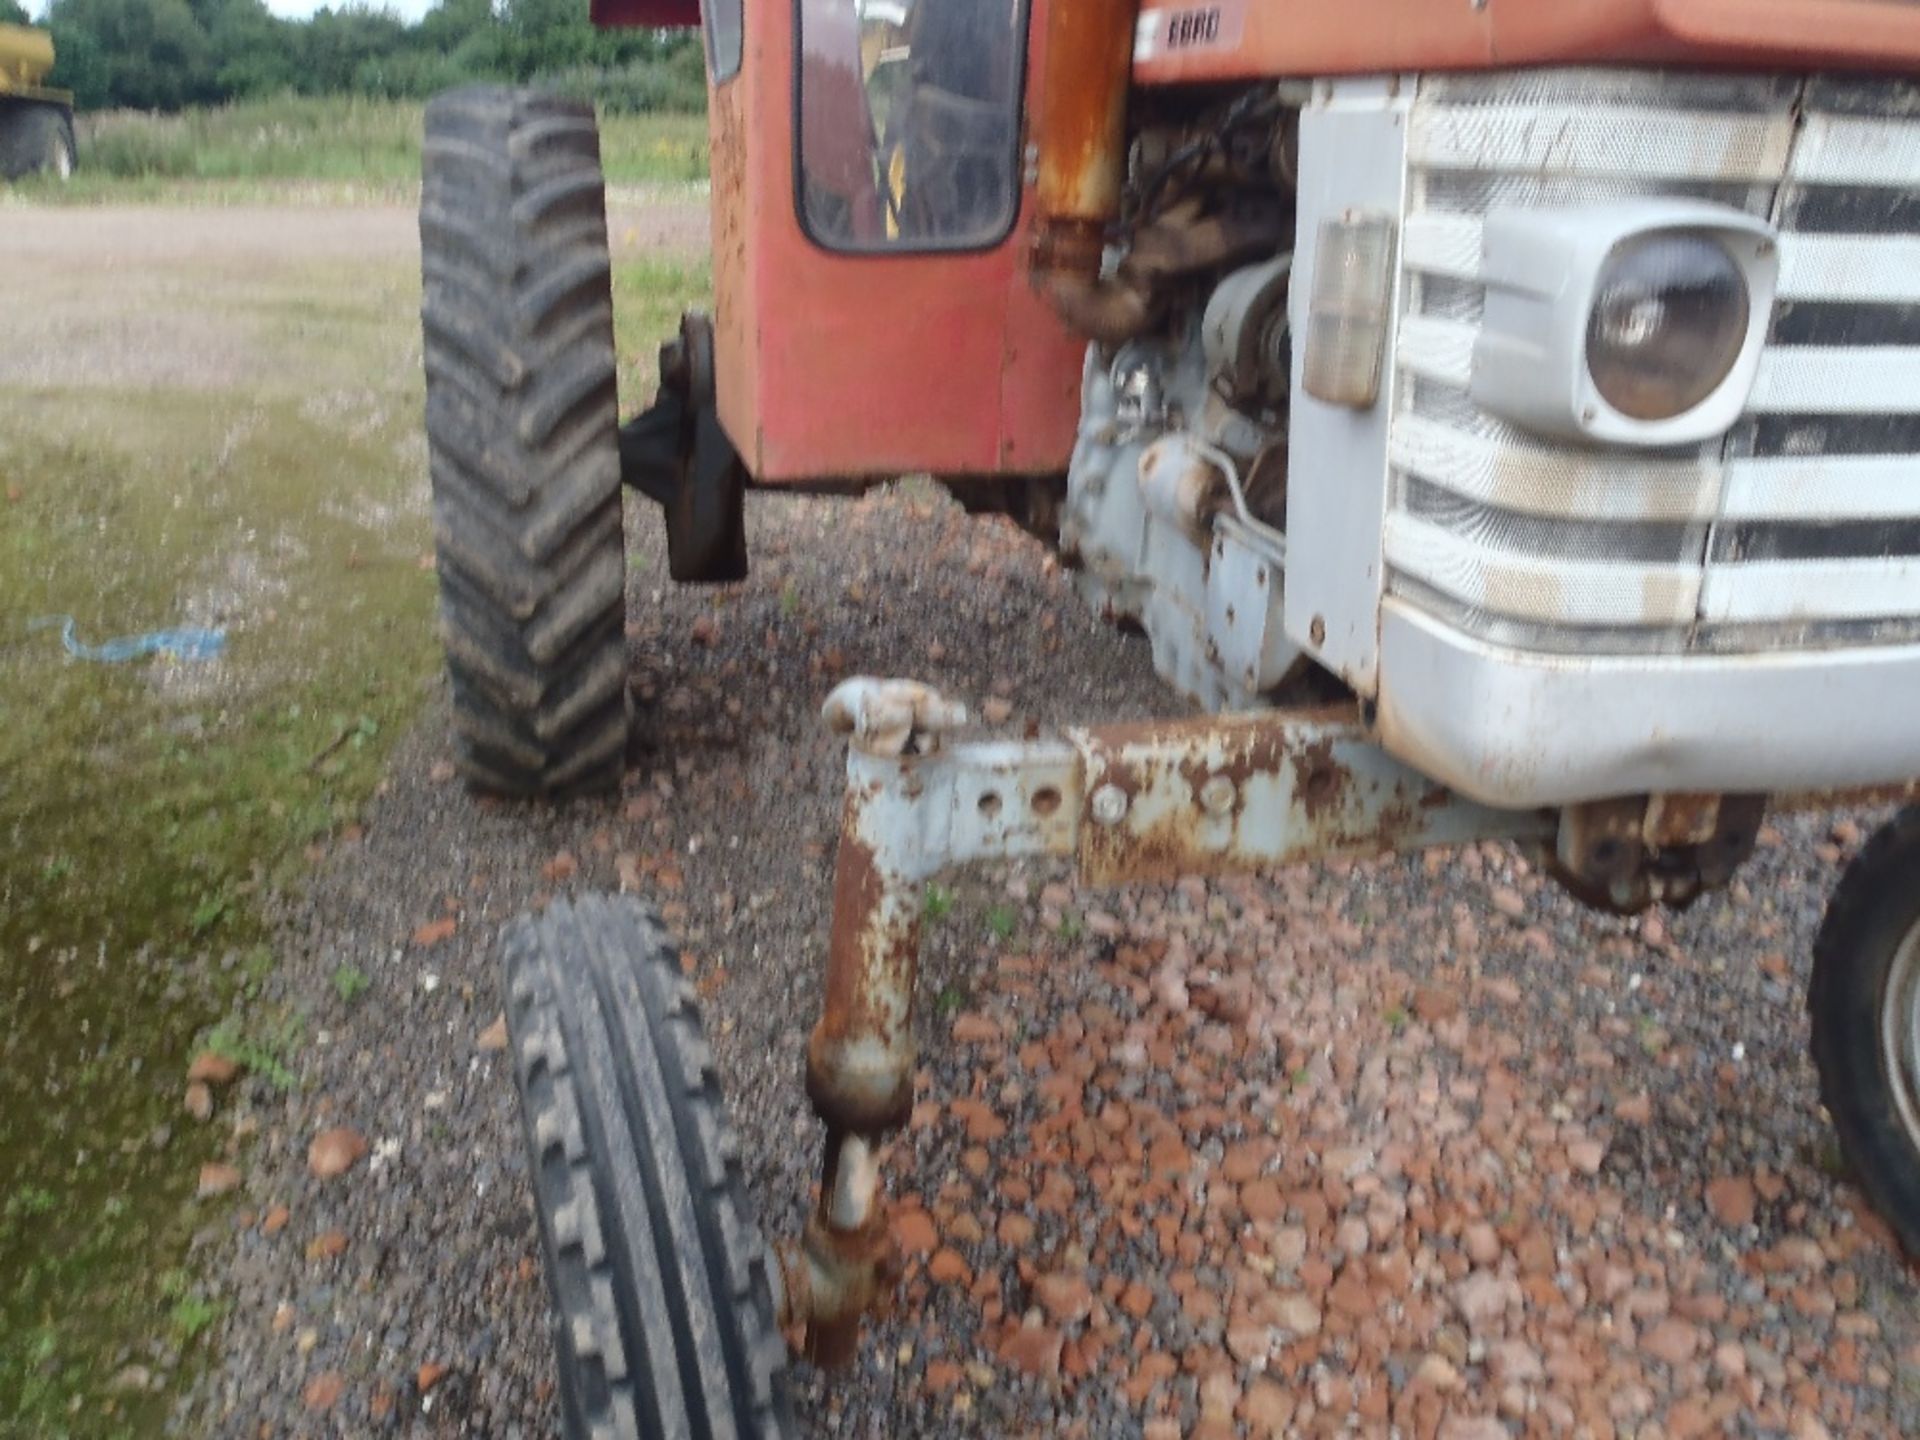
133, 145
291, 137
644, 87
345, 138
170, 54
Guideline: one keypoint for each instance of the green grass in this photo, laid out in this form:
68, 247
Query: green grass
29, 1202
148, 807
938, 903
191, 1315
1002, 921
350, 982
338, 146
649, 295
211, 910
268, 1047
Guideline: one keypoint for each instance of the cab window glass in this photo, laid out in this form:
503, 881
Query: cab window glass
723, 37
909, 122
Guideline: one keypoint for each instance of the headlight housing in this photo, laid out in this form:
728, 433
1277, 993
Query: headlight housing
1669, 319
1637, 324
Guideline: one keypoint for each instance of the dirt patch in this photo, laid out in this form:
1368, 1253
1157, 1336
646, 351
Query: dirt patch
669, 221
116, 307
112, 306
105, 239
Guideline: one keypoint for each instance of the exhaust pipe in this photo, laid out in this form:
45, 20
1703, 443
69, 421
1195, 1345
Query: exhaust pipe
1081, 137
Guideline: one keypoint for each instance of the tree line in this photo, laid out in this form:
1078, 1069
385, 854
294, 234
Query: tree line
169, 54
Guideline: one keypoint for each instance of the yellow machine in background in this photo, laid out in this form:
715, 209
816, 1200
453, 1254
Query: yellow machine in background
36, 121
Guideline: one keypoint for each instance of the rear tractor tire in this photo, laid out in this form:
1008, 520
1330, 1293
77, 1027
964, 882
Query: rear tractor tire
523, 440
35, 139
1865, 1006
663, 1299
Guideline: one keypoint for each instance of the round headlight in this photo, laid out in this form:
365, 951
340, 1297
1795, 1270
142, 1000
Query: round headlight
1669, 320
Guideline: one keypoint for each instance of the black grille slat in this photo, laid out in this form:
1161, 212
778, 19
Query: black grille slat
1850, 210
1812, 435
1874, 97
1755, 540
1845, 322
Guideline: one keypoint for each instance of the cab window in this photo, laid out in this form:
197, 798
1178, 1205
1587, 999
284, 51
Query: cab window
909, 121
723, 22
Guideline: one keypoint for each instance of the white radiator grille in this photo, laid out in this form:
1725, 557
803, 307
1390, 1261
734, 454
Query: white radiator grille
1802, 526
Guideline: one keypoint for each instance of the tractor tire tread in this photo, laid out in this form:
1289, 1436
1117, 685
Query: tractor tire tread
663, 1288
523, 431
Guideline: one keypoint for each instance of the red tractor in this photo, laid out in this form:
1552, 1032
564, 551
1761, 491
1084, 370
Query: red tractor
1502, 418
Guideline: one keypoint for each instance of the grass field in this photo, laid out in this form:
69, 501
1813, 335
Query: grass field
209, 420
339, 145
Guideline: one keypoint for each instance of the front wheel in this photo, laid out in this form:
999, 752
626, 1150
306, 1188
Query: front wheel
663, 1298
1865, 1005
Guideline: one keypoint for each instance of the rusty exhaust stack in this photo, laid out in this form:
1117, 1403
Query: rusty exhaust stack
1082, 138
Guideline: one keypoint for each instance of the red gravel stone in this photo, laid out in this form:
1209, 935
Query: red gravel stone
333, 1152
1266, 1408
1434, 1003
324, 1390
983, 1124
1065, 1297
1246, 1159
1014, 1231
211, 1068
1260, 1199
1732, 1198
1673, 1340
914, 1231
972, 1028
216, 1179
1033, 1350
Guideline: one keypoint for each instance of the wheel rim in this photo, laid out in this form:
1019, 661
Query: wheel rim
1900, 1032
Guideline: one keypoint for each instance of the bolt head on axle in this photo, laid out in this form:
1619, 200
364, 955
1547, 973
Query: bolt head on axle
1110, 805
1217, 795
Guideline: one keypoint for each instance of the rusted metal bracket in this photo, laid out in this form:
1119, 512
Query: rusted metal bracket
675, 452
1628, 853
1240, 792
1129, 802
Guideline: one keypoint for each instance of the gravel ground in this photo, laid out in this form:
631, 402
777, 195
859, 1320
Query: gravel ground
1414, 1145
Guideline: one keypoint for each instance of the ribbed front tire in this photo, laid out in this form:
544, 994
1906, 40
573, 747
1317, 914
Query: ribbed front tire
662, 1294
523, 440
1865, 1006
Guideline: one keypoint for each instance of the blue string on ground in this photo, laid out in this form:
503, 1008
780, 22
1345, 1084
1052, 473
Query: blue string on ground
186, 642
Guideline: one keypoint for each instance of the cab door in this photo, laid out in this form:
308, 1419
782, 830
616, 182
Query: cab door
871, 207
